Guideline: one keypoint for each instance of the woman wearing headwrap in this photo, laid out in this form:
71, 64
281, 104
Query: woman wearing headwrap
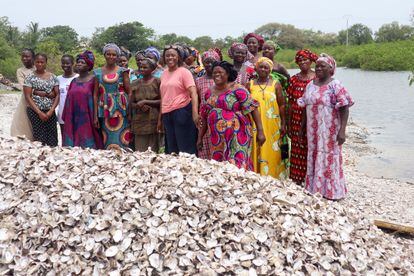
123, 61
327, 105
179, 103
78, 113
226, 114
270, 49
111, 95
239, 53
154, 54
267, 158
193, 62
254, 43
203, 84
295, 90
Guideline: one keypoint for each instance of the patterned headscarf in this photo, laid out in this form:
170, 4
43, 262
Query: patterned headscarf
211, 53
305, 53
236, 46
265, 60
88, 57
259, 38
329, 60
111, 46
154, 51
125, 52
274, 45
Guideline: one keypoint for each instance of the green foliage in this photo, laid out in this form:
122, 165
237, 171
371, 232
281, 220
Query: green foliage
9, 59
393, 32
32, 35
172, 38
203, 43
286, 35
65, 37
133, 36
357, 34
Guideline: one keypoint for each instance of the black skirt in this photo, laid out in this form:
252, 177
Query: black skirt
44, 132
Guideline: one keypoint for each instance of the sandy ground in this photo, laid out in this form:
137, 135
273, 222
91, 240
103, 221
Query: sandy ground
389, 199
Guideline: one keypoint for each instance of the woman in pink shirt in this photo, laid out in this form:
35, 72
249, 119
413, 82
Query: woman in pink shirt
179, 103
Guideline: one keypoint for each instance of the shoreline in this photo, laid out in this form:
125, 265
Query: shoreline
375, 197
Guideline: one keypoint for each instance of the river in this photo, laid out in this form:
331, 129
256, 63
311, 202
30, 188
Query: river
384, 104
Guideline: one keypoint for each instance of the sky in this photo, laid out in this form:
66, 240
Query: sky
216, 18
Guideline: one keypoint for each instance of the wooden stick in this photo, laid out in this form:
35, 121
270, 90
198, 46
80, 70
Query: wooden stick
402, 228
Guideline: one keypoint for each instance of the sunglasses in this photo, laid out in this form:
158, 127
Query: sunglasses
171, 46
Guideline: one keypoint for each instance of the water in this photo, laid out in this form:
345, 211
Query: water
384, 103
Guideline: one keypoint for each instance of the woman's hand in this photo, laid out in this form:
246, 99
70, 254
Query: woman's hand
341, 137
199, 143
160, 127
282, 130
43, 116
261, 139
96, 122
196, 119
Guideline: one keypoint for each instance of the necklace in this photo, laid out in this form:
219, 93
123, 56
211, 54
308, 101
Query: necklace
263, 88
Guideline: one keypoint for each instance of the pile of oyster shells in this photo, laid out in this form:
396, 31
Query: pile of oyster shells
74, 211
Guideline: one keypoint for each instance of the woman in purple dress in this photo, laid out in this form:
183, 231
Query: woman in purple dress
78, 113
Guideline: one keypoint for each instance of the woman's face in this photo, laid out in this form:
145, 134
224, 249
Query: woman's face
263, 70
304, 64
40, 63
190, 60
151, 56
139, 58
268, 51
253, 45
27, 59
66, 65
81, 66
123, 61
239, 55
171, 58
145, 69
111, 57
220, 76
207, 63
323, 70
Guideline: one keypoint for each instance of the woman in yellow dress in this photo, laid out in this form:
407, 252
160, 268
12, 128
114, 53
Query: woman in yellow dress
267, 159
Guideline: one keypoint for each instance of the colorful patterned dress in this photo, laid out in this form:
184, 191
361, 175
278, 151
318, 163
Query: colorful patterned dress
203, 84
324, 171
230, 126
267, 159
78, 114
112, 109
299, 151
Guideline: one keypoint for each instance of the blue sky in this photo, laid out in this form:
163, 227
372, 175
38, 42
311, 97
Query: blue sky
216, 18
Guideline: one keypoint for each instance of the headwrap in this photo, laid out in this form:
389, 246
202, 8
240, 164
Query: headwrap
305, 53
259, 39
265, 60
274, 45
140, 52
231, 72
88, 57
329, 60
111, 46
154, 51
151, 62
211, 53
237, 46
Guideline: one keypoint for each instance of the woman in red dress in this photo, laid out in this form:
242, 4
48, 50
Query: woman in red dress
297, 85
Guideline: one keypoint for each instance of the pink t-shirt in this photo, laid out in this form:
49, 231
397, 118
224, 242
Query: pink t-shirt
174, 85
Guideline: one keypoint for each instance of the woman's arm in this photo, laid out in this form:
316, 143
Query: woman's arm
343, 117
302, 130
28, 96
95, 103
194, 102
258, 121
281, 101
55, 101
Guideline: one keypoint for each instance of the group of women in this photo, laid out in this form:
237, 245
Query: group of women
241, 112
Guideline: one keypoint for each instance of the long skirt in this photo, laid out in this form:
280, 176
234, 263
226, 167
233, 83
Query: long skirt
20, 124
44, 132
116, 132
